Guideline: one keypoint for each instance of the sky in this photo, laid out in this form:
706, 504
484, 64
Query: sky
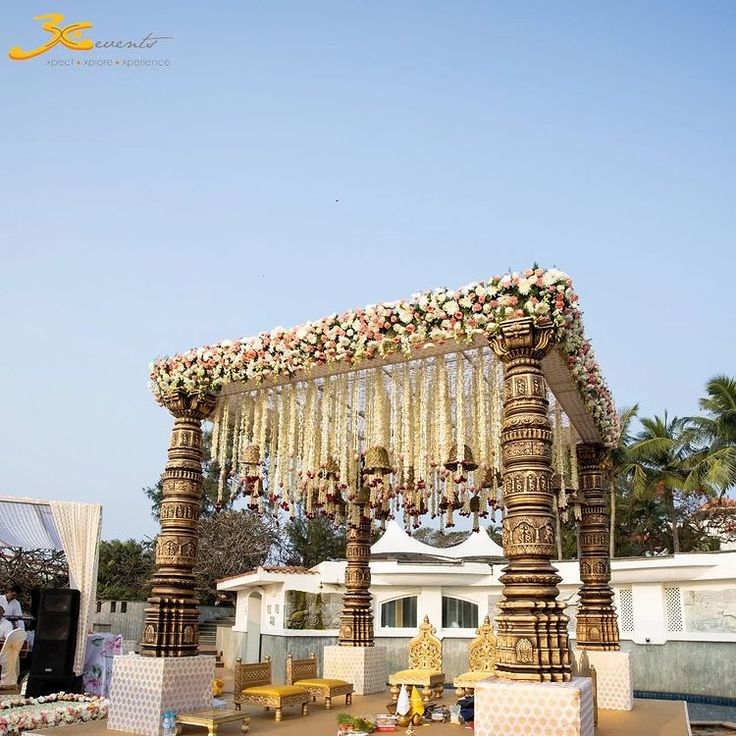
295, 159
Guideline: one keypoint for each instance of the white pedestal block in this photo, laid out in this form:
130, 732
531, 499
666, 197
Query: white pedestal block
615, 679
143, 688
509, 708
365, 667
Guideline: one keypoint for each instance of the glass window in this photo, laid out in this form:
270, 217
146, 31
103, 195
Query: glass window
459, 614
399, 613
124, 607
113, 606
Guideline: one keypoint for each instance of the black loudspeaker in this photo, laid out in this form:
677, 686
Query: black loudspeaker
52, 661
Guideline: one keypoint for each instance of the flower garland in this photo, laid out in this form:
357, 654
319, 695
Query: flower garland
19, 714
359, 335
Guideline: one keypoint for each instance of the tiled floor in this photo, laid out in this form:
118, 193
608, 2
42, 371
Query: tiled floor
649, 718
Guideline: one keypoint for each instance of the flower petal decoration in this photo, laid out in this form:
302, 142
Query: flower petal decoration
375, 332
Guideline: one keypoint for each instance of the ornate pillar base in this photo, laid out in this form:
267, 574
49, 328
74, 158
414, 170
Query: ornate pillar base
598, 630
365, 667
143, 688
506, 708
533, 645
356, 627
171, 627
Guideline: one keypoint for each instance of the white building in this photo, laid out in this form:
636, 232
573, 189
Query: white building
672, 610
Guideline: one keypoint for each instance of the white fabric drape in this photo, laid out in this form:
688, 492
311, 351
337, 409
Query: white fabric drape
27, 524
79, 526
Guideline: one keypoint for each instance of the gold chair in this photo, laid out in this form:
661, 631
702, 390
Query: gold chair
303, 673
482, 656
425, 665
252, 686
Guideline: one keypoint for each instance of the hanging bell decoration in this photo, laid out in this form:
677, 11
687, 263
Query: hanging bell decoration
376, 466
456, 489
329, 490
251, 478
575, 502
560, 496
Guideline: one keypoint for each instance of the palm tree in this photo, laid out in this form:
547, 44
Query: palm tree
716, 432
663, 466
619, 466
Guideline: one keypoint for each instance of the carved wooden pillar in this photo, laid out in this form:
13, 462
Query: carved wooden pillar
356, 619
170, 628
532, 627
597, 623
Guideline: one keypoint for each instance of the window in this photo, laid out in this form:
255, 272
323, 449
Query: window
99, 606
625, 609
673, 606
399, 613
459, 614
124, 607
113, 606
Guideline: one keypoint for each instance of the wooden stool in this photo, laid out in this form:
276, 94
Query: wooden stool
212, 718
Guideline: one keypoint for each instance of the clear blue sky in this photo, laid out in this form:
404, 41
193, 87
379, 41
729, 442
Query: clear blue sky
145, 211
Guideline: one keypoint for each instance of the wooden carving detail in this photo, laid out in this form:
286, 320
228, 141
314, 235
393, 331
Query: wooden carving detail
482, 653
356, 619
532, 640
597, 622
425, 649
170, 628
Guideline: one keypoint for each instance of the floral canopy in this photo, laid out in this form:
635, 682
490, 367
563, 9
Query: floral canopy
301, 409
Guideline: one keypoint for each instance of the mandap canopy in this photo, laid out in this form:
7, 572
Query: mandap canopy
407, 392
450, 402
73, 528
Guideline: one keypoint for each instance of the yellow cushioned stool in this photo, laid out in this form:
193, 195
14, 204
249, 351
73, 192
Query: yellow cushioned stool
252, 685
303, 673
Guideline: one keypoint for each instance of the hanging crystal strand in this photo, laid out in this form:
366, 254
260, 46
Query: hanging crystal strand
222, 456
327, 419
215, 446
461, 478
237, 427
574, 480
395, 441
273, 436
353, 481
343, 440
558, 457
215, 437
281, 457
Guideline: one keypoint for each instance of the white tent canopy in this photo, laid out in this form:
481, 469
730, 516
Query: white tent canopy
73, 528
396, 542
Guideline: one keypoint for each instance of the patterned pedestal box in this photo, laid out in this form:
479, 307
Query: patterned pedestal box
615, 680
365, 667
508, 708
143, 688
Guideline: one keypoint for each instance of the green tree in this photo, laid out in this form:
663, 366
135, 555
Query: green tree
230, 543
663, 467
124, 570
311, 541
716, 457
619, 466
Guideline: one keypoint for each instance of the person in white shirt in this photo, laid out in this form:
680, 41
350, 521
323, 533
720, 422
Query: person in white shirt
11, 604
5, 626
